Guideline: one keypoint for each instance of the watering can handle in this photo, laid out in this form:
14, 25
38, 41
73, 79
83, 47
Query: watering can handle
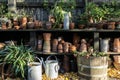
30, 71
50, 56
56, 68
40, 59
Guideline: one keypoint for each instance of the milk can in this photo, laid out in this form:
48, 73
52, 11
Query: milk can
66, 21
35, 70
104, 45
51, 68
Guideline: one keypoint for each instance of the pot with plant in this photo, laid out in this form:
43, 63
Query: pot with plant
16, 57
92, 65
30, 23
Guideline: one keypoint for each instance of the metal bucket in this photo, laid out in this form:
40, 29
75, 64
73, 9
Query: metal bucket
104, 45
51, 68
35, 70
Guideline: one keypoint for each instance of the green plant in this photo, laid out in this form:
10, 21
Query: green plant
17, 57
3, 9
93, 11
112, 10
91, 52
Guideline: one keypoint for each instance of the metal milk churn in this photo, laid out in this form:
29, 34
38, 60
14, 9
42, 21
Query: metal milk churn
104, 44
51, 68
66, 21
35, 70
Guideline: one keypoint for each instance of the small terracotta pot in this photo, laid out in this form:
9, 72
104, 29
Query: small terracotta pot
111, 25
60, 48
99, 25
47, 36
24, 23
118, 25
48, 25
116, 58
4, 26
38, 24
72, 25
116, 45
81, 26
30, 25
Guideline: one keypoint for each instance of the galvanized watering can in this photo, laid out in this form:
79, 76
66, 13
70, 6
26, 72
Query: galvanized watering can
51, 68
35, 70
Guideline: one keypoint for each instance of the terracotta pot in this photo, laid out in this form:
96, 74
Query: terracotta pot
116, 45
4, 26
30, 25
116, 58
72, 48
83, 46
118, 25
48, 25
81, 26
47, 36
72, 25
52, 19
60, 48
24, 23
111, 25
99, 25
66, 46
54, 45
38, 24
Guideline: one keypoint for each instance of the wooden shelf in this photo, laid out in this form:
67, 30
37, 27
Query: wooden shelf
60, 30
52, 53
113, 53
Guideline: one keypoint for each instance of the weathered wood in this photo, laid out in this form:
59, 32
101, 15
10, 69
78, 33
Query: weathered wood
92, 68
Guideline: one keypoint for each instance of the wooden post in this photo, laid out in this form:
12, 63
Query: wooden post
96, 41
12, 5
33, 40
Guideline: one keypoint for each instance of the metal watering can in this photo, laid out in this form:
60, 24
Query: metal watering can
51, 68
35, 70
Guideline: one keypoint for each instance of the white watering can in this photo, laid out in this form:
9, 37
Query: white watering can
51, 68
35, 70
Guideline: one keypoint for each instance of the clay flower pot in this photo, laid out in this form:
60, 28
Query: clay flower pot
38, 24
118, 25
72, 25
23, 22
47, 36
116, 58
116, 45
111, 25
4, 26
81, 26
48, 25
99, 25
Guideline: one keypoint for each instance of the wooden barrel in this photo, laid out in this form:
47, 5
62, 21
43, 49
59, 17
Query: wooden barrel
92, 68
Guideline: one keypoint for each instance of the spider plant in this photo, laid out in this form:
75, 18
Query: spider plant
17, 57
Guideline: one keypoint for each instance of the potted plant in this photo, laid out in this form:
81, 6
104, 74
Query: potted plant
59, 9
92, 63
16, 57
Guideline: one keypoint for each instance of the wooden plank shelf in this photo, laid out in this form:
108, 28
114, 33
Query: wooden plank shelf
52, 53
60, 30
